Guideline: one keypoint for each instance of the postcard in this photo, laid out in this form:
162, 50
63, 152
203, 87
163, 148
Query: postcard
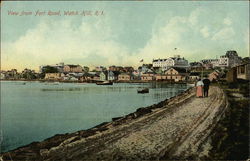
124, 80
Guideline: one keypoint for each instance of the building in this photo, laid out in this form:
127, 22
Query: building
128, 69
125, 77
112, 76
100, 68
116, 68
213, 76
210, 63
230, 59
52, 76
72, 69
243, 71
194, 76
175, 61
58, 66
103, 76
176, 74
149, 76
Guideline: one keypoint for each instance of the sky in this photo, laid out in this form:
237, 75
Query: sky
122, 33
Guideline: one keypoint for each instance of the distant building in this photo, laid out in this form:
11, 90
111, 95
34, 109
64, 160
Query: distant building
100, 68
243, 71
175, 61
210, 63
58, 66
72, 69
230, 59
128, 69
52, 76
125, 77
116, 68
193, 76
103, 76
176, 74
149, 76
214, 76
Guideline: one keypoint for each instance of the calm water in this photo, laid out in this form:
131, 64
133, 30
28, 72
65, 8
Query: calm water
35, 111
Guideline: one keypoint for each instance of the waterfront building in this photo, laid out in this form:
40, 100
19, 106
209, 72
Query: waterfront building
53, 76
175, 61
103, 75
243, 71
149, 76
160, 77
111, 76
125, 77
72, 69
2, 76
176, 74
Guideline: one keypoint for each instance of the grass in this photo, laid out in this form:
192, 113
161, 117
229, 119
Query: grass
230, 138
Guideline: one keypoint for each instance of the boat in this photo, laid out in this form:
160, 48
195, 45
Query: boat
144, 90
104, 83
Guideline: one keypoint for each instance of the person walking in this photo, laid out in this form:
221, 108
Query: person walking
199, 88
206, 83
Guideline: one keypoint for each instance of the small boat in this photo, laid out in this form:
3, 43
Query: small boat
104, 83
145, 90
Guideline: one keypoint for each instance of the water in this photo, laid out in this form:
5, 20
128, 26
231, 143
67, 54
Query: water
34, 111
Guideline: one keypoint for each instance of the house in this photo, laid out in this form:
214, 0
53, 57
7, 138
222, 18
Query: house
160, 77
52, 76
72, 69
176, 74
243, 71
111, 76
149, 76
193, 76
128, 69
116, 68
2, 75
213, 76
103, 76
125, 77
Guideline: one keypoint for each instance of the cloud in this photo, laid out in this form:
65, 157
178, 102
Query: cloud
227, 21
55, 41
205, 32
224, 34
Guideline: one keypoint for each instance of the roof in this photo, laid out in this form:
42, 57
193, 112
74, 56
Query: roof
180, 70
194, 74
72, 66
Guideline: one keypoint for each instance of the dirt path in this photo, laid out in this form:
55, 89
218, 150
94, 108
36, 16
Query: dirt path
178, 131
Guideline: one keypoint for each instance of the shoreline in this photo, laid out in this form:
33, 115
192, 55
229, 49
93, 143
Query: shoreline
57, 139
131, 81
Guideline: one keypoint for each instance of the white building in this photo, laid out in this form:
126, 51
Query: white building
175, 61
230, 59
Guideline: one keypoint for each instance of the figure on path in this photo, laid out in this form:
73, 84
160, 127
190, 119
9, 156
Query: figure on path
199, 88
206, 83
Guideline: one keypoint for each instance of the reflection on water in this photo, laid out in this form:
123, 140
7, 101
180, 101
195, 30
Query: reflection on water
34, 111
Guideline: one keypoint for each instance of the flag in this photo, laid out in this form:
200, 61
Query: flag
141, 60
175, 48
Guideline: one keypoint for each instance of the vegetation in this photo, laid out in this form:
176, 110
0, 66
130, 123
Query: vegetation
230, 139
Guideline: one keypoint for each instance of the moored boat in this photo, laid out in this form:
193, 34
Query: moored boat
104, 83
145, 90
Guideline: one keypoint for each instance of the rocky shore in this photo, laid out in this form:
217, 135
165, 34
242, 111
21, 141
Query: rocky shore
176, 128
